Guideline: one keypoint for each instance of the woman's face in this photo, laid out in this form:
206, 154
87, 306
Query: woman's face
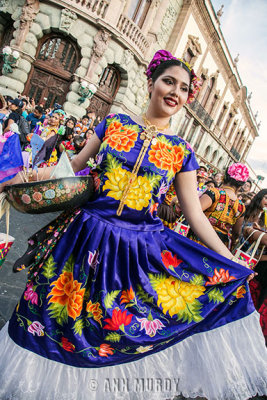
70, 124
169, 92
218, 178
54, 119
264, 202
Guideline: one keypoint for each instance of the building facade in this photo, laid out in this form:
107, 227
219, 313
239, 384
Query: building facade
66, 45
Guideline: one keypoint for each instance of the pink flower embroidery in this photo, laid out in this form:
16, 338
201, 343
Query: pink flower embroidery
30, 294
36, 328
163, 188
150, 326
93, 259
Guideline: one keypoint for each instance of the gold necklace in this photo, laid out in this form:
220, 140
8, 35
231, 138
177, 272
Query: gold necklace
159, 128
148, 135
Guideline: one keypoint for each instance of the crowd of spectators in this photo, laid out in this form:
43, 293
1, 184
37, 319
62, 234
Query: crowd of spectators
22, 116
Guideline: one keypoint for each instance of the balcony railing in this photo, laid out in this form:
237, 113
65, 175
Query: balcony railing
201, 113
235, 153
96, 7
129, 29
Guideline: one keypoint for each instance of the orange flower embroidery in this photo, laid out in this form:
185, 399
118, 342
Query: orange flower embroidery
105, 350
221, 276
127, 295
68, 292
240, 291
120, 137
94, 311
167, 157
153, 208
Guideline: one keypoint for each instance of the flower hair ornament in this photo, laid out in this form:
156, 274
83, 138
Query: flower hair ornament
239, 172
164, 55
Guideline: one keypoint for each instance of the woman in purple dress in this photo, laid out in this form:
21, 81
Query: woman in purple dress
119, 307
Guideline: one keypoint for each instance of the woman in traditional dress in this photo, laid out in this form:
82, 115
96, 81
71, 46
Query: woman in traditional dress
119, 307
255, 222
222, 206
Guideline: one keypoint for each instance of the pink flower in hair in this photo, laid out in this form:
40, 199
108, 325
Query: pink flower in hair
239, 172
164, 55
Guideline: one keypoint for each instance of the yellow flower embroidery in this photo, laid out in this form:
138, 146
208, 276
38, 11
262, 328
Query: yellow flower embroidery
173, 294
139, 193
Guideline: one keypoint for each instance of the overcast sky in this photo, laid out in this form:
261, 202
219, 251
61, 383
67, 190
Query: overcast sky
244, 28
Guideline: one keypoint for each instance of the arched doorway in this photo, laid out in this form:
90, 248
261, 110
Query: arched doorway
207, 152
109, 84
51, 74
6, 33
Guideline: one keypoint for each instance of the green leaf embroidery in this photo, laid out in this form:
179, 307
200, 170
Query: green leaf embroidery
112, 119
154, 179
216, 295
155, 280
197, 280
143, 296
112, 163
59, 312
186, 151
164, 140
49, 268
133, 128
113, 337
191, 312
68, 267
110, 297
78, 327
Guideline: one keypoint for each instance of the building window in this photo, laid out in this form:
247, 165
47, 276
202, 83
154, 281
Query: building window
138, 11
222, 113
191, 133
198, 141
227, 123
184, 125
207, 92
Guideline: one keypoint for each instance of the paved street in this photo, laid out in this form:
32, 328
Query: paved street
11, 285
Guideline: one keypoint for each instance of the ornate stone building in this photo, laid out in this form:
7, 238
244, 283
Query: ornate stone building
66, 45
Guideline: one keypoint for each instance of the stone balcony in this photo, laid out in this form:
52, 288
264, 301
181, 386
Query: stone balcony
111, 15
201, 113
235, 153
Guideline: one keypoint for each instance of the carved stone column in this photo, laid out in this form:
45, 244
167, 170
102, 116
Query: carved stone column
189, 126
28, 14
101, 41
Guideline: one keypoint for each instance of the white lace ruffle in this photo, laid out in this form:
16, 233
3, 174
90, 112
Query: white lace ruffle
227, 363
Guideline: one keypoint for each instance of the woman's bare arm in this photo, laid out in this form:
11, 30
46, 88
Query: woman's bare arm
90, 150
186, 188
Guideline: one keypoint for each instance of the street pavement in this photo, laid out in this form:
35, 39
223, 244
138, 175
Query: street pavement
12, 284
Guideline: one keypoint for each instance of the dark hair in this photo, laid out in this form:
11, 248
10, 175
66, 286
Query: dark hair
85, 116
24, 100
211, 181
231, 181
167, 64
254, 207
39, 109
71, 119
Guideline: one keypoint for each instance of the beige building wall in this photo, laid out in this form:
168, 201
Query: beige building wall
106, 35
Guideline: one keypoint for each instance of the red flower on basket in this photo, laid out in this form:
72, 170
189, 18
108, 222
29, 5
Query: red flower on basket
221, 276
169, 260
105, 350
67, 345
118, 321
